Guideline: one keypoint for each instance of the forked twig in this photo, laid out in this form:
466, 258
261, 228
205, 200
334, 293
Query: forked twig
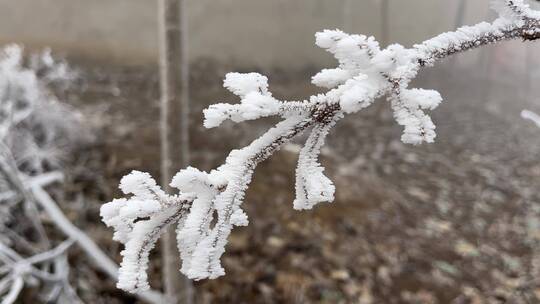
365, 73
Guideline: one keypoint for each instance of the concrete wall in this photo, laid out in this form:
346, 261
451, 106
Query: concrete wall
265, 33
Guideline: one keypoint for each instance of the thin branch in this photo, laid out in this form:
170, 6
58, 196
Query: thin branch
100, 259
365, 72
12, 176
16, 288
531, 116
39, 181
51, 254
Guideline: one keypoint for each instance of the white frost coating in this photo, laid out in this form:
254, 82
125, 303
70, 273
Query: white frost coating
239, 218
364, 73
140, 184
33, 122
407, 106
254, 105
420, 98
132, 274
242, 84
202, 244
138, 222
352, 51
514, 9
256, 101
330, 78
358, 93
396, 62
312, 186
529, 115
19, 88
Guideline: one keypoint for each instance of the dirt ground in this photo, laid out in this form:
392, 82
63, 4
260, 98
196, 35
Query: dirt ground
457, 221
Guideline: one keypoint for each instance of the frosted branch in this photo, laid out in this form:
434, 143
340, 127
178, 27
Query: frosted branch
208, 204
100, 259
531, 116
312, 186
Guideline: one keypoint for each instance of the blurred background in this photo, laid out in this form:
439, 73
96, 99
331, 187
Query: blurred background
457, 221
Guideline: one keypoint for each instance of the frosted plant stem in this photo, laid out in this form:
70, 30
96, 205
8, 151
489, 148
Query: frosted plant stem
100, 259
14, 291
531, 116
12, 175
40, 181
213, 199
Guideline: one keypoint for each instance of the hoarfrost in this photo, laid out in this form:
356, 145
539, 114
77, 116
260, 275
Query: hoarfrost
209, 203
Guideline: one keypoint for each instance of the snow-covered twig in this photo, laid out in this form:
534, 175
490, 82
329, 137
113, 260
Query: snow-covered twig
529, 115
365, 73
51, 254
100, 259
14, 291
38, 258
11, 175
34, 128
40, 181
21, 269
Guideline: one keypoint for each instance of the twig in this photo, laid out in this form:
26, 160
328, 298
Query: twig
365, 73
529, 115
51, 254
12, 176
40, 181
16, 288
100, 259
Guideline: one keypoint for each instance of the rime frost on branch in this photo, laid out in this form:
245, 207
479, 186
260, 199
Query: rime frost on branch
36, 134
256, 101
33, 123
533, 117
364, 73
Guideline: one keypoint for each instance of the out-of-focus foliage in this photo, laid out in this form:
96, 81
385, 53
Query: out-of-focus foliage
37, 132
34, 125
